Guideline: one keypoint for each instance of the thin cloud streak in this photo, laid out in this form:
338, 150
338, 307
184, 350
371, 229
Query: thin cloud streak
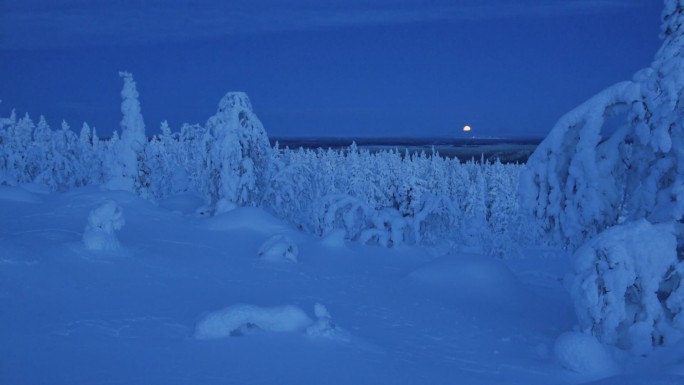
78, 23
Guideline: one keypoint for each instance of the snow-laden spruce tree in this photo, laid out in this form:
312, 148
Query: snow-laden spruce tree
125, 164
240, 154
614, 167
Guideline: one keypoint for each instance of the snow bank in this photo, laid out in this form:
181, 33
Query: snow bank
239, 320
335, 239
102, 222
583, 353
17, 194
182, 203
279, 248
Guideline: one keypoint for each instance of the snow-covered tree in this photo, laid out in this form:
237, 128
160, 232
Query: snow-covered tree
614, 166
240, 152
126, 168
584, 178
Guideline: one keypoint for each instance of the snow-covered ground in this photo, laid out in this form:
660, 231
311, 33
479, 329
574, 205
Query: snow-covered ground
187, 299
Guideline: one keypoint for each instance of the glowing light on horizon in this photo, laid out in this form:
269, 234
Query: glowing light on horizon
467, 129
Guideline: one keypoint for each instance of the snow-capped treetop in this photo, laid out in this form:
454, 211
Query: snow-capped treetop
234, 100
584, 177
132, 124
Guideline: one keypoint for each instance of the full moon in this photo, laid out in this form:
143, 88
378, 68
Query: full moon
466, 128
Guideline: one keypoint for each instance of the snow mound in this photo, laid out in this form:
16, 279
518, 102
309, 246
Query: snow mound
583, 353
17, 194
335, 239
239, 320
279, 248
470, 275
247, 218
102, 222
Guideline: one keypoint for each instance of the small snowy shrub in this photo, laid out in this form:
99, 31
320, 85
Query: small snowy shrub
341, 212
324, 327
239, 320
626, 287
279, 248
103, 221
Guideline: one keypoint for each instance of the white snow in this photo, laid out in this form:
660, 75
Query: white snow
395, 316
606, 185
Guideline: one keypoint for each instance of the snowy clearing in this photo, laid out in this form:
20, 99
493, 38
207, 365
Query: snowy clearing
72, 315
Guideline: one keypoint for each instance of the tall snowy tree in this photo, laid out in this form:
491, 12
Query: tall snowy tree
126, 169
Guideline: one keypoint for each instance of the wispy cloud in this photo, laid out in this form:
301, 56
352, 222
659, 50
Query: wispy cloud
48, 23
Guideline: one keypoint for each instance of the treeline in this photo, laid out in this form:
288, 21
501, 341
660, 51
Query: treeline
387, 198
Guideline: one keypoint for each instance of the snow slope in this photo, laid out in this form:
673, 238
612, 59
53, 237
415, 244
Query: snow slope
342, 313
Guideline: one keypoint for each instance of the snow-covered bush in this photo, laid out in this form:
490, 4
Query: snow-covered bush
627, 287
341, 212
239, 320
279, 248
103, 221
324, 327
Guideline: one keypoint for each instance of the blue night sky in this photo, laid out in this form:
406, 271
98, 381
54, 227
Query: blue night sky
324, 67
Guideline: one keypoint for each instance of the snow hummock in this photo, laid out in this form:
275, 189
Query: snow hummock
103, 221
239, 320
583, 353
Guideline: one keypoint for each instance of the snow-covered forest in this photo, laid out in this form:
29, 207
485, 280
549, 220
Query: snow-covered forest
168, 242
387, 198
